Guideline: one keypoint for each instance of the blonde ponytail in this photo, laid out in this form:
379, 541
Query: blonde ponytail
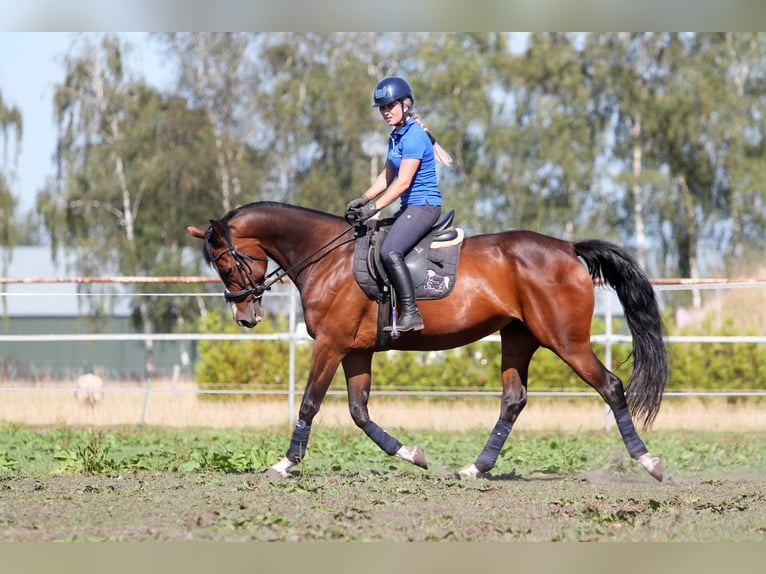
439, 152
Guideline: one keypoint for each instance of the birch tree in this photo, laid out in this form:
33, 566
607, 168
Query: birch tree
216, 73
11, 130
132, 172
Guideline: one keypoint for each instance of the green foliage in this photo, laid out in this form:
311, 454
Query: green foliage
243, 364
129, 174
728, 366
260, 365
11, 131
336, 449
89, 457
473, 367
432, 371
547, 136
7, 463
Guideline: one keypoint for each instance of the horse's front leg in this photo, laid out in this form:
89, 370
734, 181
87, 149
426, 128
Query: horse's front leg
357, 367
324, 362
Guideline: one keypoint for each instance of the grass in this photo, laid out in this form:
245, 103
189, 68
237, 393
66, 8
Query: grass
62, 450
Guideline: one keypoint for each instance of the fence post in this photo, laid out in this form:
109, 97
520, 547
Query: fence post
146, 399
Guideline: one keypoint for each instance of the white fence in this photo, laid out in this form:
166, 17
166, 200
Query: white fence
295, 335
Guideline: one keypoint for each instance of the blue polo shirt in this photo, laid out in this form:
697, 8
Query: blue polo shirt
412, 142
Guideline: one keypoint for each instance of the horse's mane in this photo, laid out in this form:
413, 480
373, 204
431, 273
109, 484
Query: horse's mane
273, 205
270, 206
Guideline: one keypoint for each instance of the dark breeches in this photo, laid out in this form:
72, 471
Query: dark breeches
411, 224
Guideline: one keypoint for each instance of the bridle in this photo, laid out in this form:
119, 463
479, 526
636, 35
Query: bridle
253, 288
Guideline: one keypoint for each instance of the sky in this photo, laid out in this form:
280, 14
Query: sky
28, 70
31, 64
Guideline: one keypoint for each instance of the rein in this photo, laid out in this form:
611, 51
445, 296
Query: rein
257, 291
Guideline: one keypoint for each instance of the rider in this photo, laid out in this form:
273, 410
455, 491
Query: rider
410, 176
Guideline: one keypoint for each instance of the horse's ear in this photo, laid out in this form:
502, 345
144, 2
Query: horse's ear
195, 232
217, 234
217, 227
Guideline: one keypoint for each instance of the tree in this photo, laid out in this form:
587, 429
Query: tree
135, 167
557, 137
625, 71
317, 100
745, 147
217, 76
685, 110
11, 130
456, 79
696, 123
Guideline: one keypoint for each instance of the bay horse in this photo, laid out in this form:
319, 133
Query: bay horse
531, 288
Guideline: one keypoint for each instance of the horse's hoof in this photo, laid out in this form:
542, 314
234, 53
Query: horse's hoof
653, 465
419, 458
413, 454
274, 473
470, 472
280, 469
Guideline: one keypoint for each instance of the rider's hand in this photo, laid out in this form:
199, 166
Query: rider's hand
357, 203
357, 215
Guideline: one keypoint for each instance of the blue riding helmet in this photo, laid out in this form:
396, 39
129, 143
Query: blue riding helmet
391, 89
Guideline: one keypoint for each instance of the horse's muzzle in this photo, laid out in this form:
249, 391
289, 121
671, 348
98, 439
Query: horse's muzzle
247, 314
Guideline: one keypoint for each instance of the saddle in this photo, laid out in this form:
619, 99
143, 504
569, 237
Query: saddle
432, 262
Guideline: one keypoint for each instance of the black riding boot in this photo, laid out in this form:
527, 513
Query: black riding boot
408, 318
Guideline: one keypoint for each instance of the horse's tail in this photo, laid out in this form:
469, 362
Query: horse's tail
618, 269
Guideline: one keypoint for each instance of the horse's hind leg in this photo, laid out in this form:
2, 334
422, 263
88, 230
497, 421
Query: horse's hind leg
585, 363
518, 346
357, 367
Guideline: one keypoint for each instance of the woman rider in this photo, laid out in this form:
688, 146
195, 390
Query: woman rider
410, 176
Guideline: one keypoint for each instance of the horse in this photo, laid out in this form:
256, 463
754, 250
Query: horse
535, 290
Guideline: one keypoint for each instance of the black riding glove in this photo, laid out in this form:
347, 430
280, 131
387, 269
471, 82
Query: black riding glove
357, 203
356, 214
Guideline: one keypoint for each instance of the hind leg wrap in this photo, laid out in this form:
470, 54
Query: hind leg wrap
633, 442
381, 438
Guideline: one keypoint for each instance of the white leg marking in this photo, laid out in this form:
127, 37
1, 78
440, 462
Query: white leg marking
470, 472
653, 465
413, 454
407, 453
283, 466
